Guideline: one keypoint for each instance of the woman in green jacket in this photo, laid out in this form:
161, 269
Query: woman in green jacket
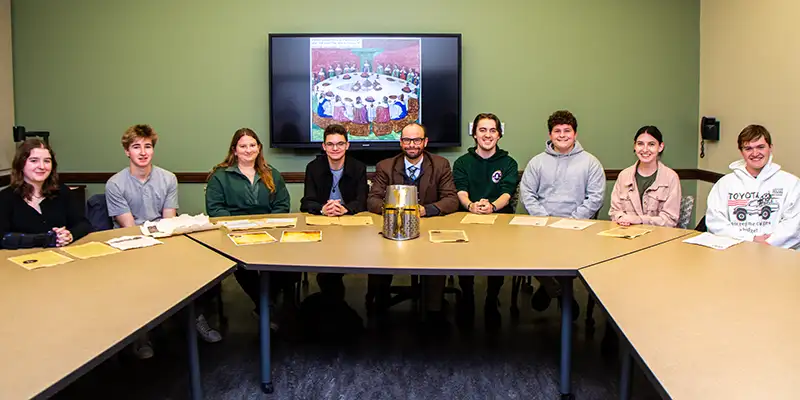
244, 184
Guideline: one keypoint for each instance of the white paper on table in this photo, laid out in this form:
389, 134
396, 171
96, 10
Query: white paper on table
133, 242
240, 224
528, 220
713, 241
573, 224
179, 225
280, 222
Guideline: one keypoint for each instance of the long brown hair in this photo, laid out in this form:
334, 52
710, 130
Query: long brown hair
264, 171
25, 189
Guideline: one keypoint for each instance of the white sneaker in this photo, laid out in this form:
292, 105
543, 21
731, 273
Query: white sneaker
206, 332
142, 349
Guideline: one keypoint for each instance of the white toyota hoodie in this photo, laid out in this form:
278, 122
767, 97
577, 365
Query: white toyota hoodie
742, 206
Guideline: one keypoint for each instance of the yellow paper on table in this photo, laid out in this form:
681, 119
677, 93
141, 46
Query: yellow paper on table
41, 259
301, 236
627, 232
487, 219
355, 220
89, 250
248, 238
447, 236
321, 220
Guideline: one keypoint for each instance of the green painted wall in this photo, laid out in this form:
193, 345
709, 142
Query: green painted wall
197, 70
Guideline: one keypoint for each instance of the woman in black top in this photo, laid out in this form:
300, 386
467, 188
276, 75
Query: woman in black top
35, 210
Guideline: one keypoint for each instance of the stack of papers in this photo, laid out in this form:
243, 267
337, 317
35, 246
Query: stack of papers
279, 222
713, 241
626, 232
248, 238
41, 259
483, 219
528, 220
573, 224
133, 242
179, 225
240, 225
89, 250
345, 220
447, 236
265, 223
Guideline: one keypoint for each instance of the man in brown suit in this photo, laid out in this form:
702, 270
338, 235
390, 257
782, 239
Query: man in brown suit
437, 196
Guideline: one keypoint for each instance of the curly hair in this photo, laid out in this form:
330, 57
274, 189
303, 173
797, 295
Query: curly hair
562, 117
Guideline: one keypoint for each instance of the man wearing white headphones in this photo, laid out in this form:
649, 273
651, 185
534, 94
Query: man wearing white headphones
486, 179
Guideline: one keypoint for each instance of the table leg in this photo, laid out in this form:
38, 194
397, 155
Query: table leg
194, 355
626, 375
566, 336
264, 332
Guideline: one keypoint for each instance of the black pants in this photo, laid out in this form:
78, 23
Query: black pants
203, 302
432, 287
467, 284
331, 285
250, 281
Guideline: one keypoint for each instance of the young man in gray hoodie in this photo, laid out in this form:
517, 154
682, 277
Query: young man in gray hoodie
563, 181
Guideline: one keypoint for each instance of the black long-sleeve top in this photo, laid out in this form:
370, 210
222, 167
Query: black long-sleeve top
61, 210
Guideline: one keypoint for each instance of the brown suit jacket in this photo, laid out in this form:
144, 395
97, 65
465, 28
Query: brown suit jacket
436, 186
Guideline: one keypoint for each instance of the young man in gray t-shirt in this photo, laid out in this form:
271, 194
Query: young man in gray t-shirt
143, 192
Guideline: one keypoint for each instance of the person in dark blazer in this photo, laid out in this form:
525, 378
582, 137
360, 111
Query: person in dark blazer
35, 209
414, 166
433, 177
335, 185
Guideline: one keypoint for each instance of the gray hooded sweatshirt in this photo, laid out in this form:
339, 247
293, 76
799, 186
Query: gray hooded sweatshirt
563, 185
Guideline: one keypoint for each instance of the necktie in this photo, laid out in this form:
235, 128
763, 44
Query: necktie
412, 173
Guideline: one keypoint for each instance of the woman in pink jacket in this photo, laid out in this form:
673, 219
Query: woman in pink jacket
647, 192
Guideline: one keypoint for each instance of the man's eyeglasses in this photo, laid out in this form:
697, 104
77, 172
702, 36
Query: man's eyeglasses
335, 145
410, 140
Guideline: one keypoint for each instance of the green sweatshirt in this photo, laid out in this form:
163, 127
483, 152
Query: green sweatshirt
229, 192
486, 178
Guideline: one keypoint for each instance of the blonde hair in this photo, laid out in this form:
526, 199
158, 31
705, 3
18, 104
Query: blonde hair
136, 132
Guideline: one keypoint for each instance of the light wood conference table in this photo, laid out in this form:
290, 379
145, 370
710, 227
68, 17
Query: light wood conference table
498, 249
707, 324
61, 321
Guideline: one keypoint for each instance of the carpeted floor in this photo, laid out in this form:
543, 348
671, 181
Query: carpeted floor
519, 362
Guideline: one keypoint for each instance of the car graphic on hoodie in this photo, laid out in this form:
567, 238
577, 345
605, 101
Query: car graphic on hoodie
743, 206
763, 206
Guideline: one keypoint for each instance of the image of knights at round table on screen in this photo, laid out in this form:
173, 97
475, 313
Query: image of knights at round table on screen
373, 85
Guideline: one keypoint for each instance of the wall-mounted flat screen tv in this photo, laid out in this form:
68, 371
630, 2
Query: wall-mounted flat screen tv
372, 84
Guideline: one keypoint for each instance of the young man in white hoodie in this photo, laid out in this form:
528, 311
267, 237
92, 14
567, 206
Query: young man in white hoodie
563, 181
757, 201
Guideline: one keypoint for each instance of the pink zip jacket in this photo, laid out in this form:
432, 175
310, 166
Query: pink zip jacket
662, 200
